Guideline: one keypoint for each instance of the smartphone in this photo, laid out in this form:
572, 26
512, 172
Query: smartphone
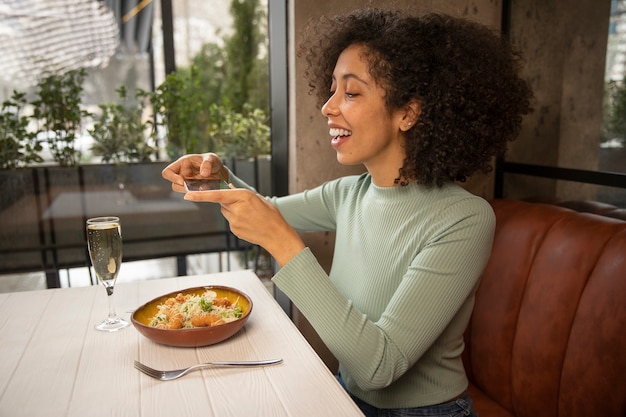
205, 184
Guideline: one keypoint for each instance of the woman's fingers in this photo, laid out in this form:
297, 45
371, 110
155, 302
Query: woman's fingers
183, 167
256, 220
193, 166
230, 196
249, 214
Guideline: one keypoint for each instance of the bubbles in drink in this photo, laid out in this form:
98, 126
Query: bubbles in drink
105, 248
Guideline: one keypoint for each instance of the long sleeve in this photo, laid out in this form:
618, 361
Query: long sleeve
400, 292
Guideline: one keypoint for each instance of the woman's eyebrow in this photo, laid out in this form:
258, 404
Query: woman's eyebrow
350, 75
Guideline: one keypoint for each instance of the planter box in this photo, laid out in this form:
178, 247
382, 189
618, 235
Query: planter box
43, 212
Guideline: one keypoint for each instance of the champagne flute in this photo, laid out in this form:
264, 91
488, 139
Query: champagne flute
104, 240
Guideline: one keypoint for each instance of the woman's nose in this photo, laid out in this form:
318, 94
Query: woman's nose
329, 108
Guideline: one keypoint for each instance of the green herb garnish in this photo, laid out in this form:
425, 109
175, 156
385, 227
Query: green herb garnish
206, 306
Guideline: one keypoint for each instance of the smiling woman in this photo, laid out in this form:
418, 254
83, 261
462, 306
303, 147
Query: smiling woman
417, 100
461, 114
357, 109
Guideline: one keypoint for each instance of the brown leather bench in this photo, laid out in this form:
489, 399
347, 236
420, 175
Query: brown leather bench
548, 332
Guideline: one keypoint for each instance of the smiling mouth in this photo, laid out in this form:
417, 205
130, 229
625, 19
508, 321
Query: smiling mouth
339, 133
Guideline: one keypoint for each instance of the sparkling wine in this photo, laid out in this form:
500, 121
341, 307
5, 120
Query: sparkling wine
104, 240
105, 249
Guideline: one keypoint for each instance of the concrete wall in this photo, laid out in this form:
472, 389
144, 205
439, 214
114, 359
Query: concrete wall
564, 43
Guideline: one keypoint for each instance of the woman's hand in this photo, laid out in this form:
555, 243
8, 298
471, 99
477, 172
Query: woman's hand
207, 165
256, 220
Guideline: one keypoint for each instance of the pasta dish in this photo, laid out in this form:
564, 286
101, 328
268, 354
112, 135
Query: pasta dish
190, 311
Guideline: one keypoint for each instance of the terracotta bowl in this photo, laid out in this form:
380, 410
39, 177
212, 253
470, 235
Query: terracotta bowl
200, 336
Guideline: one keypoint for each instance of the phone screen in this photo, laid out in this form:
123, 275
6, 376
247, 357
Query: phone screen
205, 184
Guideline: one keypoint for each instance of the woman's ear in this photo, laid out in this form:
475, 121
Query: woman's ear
412, 111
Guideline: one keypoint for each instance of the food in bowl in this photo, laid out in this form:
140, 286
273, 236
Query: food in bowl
195, 336
192, 310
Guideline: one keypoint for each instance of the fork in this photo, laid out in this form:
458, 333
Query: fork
177, 373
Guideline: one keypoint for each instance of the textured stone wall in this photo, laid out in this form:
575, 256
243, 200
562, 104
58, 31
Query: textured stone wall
564, 43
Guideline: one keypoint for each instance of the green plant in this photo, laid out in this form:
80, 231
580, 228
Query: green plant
18, 145
120, 133
58, 111
246, 80
178, 107
240, 135
212, 78
221, 101
195, 127
235, 71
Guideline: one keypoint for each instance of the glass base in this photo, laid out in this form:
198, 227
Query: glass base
112, 324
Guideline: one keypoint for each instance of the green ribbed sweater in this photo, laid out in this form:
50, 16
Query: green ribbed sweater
394, 307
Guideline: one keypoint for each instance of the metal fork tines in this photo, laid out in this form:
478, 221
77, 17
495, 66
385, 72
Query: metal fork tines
177, 373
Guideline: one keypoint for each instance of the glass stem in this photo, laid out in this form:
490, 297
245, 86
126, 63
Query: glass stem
112, 314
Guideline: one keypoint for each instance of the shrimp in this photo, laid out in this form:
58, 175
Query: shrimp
170, 315
176, 321
205, 320
222, 302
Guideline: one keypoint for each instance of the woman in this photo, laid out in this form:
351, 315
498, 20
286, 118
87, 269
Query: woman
421, 102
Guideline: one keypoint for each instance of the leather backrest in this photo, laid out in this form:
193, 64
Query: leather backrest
548, 332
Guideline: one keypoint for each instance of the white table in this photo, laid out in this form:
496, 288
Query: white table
54, 363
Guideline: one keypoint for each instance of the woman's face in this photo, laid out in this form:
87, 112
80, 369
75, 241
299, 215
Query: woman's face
362, 129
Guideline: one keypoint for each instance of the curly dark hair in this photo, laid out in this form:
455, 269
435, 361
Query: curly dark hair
465, 76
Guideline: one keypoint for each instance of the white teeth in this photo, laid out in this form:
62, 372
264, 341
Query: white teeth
339, 132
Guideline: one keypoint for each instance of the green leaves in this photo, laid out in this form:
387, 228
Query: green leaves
58, 112
18, 145
205, 305
121, 134
178, 107
194, 125
220, 102
57, 115
236, 134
